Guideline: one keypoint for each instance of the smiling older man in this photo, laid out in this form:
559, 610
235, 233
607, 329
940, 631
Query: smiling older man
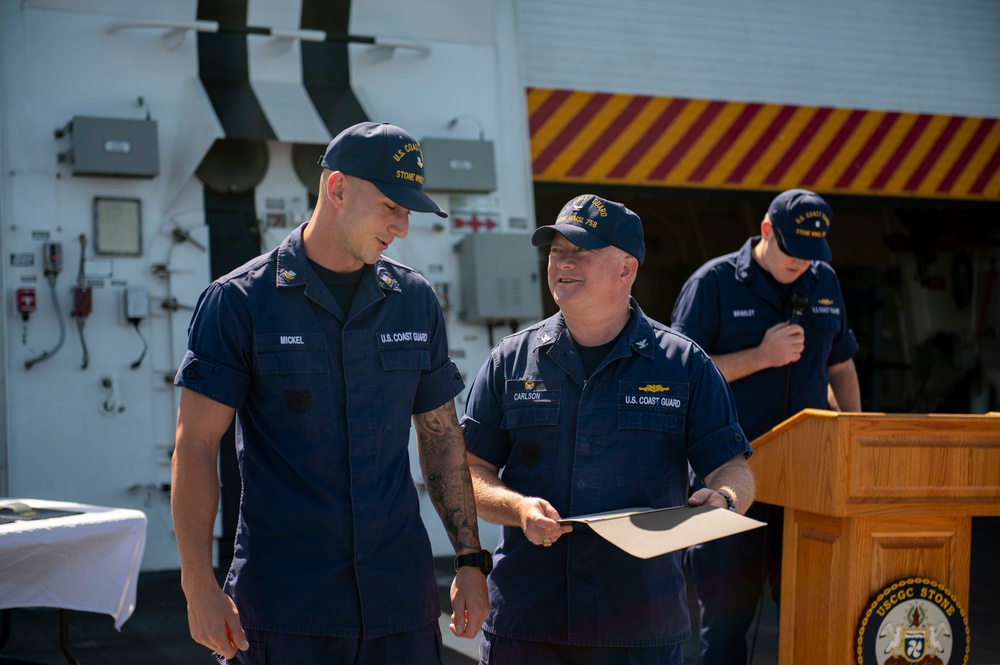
561, 407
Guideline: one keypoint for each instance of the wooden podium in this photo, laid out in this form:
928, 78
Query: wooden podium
870, 499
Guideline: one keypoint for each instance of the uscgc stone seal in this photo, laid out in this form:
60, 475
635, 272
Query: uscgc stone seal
914, 621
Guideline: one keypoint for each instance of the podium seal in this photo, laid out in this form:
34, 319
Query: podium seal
914, 621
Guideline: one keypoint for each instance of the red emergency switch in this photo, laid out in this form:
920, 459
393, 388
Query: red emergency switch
26, 302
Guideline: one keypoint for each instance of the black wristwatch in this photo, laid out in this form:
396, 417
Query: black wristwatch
729, 500
482, 560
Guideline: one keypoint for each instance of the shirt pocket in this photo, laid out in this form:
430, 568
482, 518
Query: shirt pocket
405, 359
294, 385
739, 333
826, 323
652, 420
825, 328
531, 418
402, 368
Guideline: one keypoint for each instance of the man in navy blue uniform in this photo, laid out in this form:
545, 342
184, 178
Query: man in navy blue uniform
596, 408
323, 350
771, 315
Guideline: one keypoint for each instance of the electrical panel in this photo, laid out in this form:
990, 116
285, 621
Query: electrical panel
112, 147
500, 278
454, 165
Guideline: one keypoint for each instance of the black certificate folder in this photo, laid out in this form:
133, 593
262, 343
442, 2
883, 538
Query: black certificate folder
649, 532
15, 511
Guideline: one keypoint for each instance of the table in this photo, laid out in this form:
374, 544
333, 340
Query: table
87, 562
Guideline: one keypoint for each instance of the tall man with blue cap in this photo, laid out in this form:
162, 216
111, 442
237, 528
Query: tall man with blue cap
324, 351
771, 315
596, 408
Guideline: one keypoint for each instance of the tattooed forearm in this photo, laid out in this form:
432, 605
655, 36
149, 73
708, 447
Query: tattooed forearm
457, 513
437, 422
437, 487
446, 474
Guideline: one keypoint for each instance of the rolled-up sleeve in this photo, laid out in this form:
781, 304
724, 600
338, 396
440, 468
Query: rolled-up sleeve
217, 362
444, 380
484, 437
715, 435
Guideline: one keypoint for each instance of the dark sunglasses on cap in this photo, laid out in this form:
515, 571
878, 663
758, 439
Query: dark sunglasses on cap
781, 243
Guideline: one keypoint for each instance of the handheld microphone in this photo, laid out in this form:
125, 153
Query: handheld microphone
799, 302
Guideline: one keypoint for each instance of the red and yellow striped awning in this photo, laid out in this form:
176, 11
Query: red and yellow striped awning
676, 142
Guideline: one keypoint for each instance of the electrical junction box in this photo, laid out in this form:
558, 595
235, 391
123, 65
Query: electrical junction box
112, 147
453, 165
499, 275
135, 304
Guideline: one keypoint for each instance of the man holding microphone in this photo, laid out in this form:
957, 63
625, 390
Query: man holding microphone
771, 316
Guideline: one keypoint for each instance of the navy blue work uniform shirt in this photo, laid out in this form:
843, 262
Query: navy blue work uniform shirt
329, 540
621, 438
729, 303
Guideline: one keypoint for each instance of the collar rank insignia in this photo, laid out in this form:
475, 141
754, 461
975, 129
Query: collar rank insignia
387, 280
642, 343
545, 338
289, 275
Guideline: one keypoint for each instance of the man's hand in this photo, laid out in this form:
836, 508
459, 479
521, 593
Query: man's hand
215, 622
470, 602
782, 344
735, 479
540, 521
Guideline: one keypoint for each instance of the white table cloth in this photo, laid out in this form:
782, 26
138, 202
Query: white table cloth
86, 562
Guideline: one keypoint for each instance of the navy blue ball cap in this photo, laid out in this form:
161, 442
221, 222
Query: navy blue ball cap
802, 219
590, 222
388, 157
